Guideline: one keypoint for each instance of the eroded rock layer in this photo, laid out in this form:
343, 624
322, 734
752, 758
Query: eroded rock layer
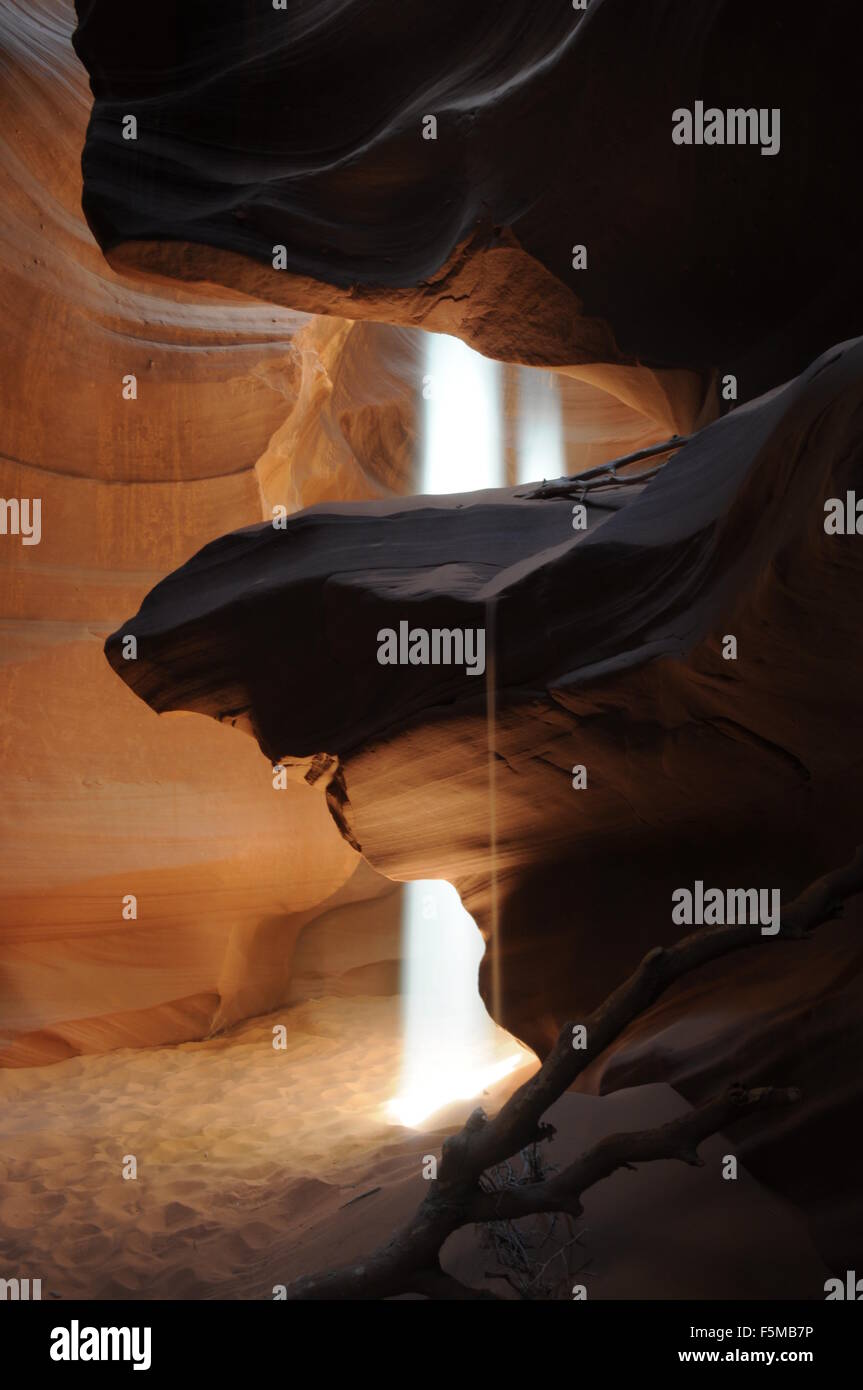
304, 127
147, 418
605, 648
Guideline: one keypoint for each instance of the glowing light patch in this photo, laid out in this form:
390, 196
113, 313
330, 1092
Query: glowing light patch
462, 447
539, 429
419, 1105
452, 1049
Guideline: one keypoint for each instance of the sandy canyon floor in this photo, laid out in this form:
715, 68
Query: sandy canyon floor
256, 1165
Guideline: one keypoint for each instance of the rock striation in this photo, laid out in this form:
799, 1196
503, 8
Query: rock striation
100, 801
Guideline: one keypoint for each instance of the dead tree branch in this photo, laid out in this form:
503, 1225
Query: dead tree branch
678, 1139
604, 473
409, 1262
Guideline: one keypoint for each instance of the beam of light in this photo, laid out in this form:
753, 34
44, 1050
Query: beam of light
539, 427
452, 1049
462, 435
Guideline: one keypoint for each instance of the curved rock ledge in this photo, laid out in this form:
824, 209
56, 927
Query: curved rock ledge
697, 257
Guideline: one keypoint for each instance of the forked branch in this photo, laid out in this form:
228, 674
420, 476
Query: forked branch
604, 473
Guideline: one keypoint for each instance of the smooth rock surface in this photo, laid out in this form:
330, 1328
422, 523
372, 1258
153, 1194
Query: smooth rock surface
554, 129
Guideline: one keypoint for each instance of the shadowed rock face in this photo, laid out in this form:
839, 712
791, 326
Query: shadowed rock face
304, 128
606, 650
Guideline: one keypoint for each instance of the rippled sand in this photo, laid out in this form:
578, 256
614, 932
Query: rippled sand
240, 1149
257, 1165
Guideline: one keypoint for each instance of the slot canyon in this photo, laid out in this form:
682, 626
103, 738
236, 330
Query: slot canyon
290, 367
